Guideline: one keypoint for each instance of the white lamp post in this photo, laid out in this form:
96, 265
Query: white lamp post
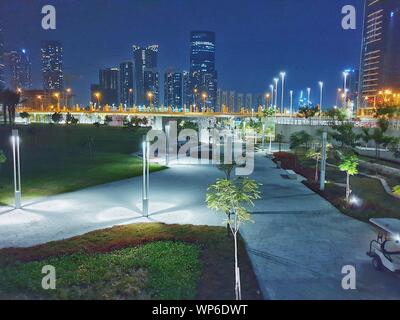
167, 131
345, 75
283, 75
146, 172
272, 95
321, 87
276, 80
291, 103
323, 161
17, 168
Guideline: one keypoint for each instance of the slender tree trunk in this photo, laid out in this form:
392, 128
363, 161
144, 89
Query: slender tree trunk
348, 188
5, 114
316, 171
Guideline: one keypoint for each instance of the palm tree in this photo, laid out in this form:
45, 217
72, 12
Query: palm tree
10, 100
2, 102
234, 196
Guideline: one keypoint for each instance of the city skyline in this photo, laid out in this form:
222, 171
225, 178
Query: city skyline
251, 73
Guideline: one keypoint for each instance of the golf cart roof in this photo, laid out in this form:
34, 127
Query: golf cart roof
391, 226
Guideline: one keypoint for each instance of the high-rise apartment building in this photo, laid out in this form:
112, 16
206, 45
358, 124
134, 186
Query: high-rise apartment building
19, 66
52, 65
146, 77
126, 89
109, 86
380, 57
2, 65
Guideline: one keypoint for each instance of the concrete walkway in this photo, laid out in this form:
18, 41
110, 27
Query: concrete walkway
298, 243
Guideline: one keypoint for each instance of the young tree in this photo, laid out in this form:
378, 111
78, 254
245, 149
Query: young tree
379, 137
234, 196
308, 112
300, 139
349, 164
345, 134
366, 136
316, 154
279, 138
56, 117
107, 119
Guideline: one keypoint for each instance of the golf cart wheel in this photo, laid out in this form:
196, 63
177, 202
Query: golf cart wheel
377, 263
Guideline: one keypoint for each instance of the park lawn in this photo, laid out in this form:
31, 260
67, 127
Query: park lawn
61, 158
139, 261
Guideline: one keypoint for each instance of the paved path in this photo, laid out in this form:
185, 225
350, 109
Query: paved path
298, 243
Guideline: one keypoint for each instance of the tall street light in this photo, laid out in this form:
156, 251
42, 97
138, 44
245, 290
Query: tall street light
204, 96
339, 91
271, 86
291, 103
345, 75
57, 95
321, 88
67, 96
283, 75
276, 80
98, 96
17, 168
146, 172
150, 96
267, 96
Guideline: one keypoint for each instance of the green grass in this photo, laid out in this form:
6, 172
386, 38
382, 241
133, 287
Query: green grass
57, 159
138, 261
158, 270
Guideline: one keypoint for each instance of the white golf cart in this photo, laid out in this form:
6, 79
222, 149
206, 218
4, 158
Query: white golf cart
385, 250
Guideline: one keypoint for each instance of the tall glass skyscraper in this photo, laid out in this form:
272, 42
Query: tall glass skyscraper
203, 76
173, 89
146, 76
19, 64
380, 60
126, 83
52, 65
2, 66
109, 79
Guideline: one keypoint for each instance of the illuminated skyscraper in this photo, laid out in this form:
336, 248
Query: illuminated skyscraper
146, 77
126, 89
2, 66
19, 65
109, 84
173, 89
52, 65
380, 60
203, 76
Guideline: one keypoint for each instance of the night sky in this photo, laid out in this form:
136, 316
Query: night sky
256, 39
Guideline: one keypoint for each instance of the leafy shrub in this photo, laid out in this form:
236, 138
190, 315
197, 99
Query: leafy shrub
3, 157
